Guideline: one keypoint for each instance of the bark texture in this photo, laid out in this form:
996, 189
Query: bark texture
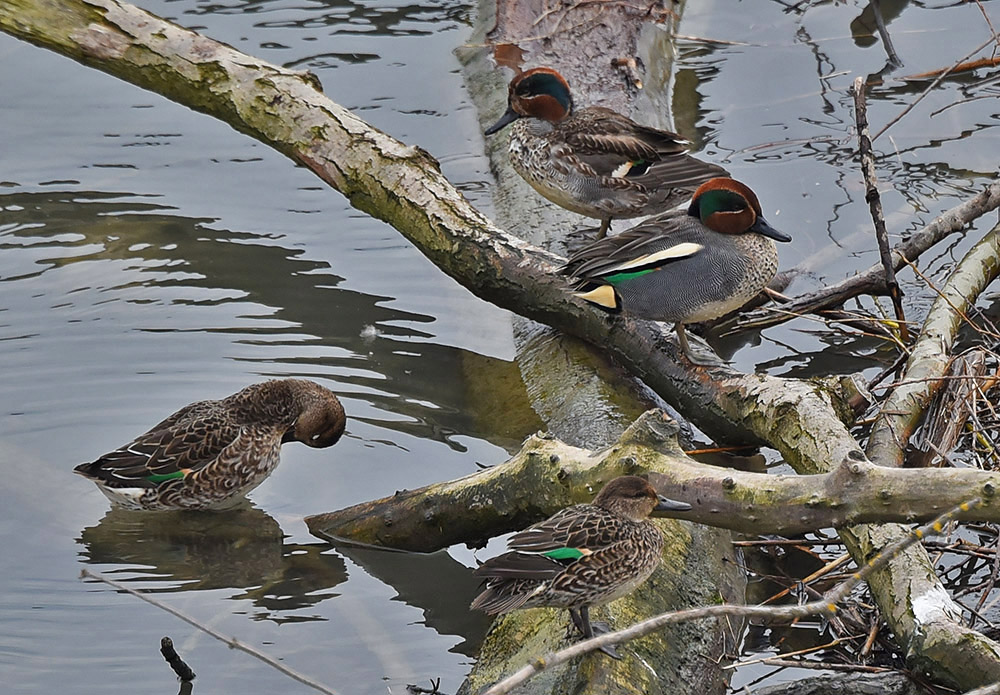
548, 475
403, 186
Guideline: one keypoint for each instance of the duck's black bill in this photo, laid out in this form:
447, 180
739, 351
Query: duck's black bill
509, 117
762, 227
665, 505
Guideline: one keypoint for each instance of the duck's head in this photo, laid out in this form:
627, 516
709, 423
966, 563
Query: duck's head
537, 93
730, 207
633, 497
321, 420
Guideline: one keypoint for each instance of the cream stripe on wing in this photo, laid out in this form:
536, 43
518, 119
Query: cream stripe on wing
684, 250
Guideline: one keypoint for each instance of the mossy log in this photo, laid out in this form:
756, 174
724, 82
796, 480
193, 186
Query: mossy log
547, 475
403, 186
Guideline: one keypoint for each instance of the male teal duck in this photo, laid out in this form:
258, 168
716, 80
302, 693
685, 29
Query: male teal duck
209, 454
594, 161
585, 555
684, 266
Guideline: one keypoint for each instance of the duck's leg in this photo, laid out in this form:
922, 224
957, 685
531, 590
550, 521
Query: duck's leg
588, 629
585, 232
705, 357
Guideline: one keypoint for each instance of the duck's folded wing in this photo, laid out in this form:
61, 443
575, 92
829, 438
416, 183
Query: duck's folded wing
185, 444
605, 131
519, 565
652, 244
583, 527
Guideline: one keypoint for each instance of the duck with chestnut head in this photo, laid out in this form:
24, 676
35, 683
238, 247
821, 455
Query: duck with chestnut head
683, 266
594, 161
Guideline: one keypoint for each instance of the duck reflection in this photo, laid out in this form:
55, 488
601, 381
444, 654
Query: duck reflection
241, 548
436, 583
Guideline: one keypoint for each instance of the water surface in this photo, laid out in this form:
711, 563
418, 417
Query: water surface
150, 256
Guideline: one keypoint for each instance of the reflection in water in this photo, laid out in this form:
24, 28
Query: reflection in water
364, 18
193, 551
163, 261
434, 582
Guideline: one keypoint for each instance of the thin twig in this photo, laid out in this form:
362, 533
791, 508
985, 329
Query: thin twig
931, 86
870, 641
875, 201
821, 666
787, 541
182, 670
785, 655
229, 641
826, 606
828, 567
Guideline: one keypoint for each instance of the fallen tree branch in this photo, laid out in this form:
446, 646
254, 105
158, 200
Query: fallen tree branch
892, 683
403, 186
495, 501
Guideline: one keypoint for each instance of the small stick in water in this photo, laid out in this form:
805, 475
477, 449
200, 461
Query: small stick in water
182, 670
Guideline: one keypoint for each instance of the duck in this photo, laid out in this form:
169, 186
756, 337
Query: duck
594, 161
585, 555
209, 454
686, 265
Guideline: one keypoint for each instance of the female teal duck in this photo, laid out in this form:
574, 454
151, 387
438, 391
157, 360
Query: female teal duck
585, 555
209, 454
684, 266
594, 161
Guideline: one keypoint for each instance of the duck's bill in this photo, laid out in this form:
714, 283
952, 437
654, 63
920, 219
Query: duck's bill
665, 505
762, 227
509, 117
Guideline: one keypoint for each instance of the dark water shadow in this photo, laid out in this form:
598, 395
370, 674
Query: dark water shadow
436, 583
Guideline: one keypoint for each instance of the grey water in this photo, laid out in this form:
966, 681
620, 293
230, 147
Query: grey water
151, 256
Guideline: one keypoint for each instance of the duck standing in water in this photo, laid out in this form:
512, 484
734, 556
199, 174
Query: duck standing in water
585, 555
684, 266
209, 454
594, 161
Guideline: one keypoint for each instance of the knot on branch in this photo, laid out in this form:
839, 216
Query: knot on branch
654, 429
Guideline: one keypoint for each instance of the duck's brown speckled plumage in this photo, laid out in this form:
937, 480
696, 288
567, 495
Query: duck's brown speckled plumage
594, 161
210, 453
585, 555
